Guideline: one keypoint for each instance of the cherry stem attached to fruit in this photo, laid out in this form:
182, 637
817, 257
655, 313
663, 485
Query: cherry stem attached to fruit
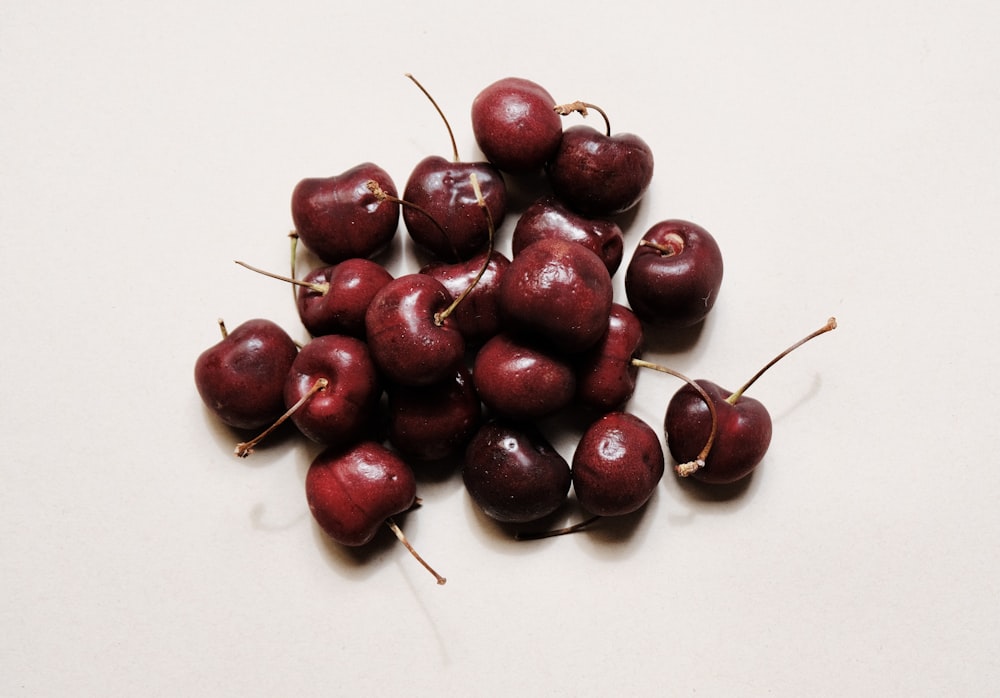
454, 146
831, 324
245, 448
685, 469
440, 317
312, 286
293, 236
382, 195
402, 539
583, 109
674, 245
222, 328
579, 526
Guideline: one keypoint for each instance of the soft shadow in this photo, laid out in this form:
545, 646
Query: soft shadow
811, 392
358, 562
273, 447
671, 340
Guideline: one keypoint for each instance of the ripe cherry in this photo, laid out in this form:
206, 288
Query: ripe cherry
515, 125
477, 317
739, 426
606, 373
548, 217
674, 276
352, 492
241, 378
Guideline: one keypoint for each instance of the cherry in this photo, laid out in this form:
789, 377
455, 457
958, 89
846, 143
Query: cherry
334, 299
559, 292
739, 426
515, 125
442, 215
521, 381
241, 378
548, 217
345, 405
338, 217
617, 465
675, 273
352, 492
433, 422
606, 373
477, 317
513, 473
598, 174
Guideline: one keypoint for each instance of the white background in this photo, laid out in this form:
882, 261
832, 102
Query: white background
845, 156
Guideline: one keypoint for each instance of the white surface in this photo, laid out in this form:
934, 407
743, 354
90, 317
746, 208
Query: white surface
845, 155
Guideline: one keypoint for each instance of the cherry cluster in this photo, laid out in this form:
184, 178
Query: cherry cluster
461, 359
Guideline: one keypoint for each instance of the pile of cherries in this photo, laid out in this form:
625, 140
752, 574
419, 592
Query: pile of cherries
459, 360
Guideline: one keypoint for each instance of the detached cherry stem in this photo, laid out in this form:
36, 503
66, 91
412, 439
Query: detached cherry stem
406, 543
583, 109
245, 448
312, 286
451, 135
692, 466
440, 317
831, 324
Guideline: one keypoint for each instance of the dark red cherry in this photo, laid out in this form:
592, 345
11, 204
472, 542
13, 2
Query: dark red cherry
411, 341
339, 217
617, 465
241, 378
599, 174
514, 474
550, 218
558, 292
521, 381
477, 316
345, 408
606, 373
675, 273
515, 124
435, 421
334, 299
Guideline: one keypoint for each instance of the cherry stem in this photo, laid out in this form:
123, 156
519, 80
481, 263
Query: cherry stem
318, 288
675, 244
538, 535
831, 324
454, 146
582, 108
440, 317
685, 469
382, 195
245, 448
293, 237
402, 539
222, 328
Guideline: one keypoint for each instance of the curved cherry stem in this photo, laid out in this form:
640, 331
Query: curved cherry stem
323, 288
245, 448
831, 324
382, 195
685, 469
406, 543
454, 146
440, 317
583, 109
538, 535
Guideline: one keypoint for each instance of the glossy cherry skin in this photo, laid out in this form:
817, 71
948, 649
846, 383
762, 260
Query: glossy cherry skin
444, 190
477, 316
339, 217
341, 309
617, 465
559, 292
436, 421
339, 413
675, 283
352, 491
241, 378
515, 125
550, 218
742, 439
407, 344
521, 381
514, 474
600, 175
606, 375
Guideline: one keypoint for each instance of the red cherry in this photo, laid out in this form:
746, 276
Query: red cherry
520, 381
550, 218
515, 125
